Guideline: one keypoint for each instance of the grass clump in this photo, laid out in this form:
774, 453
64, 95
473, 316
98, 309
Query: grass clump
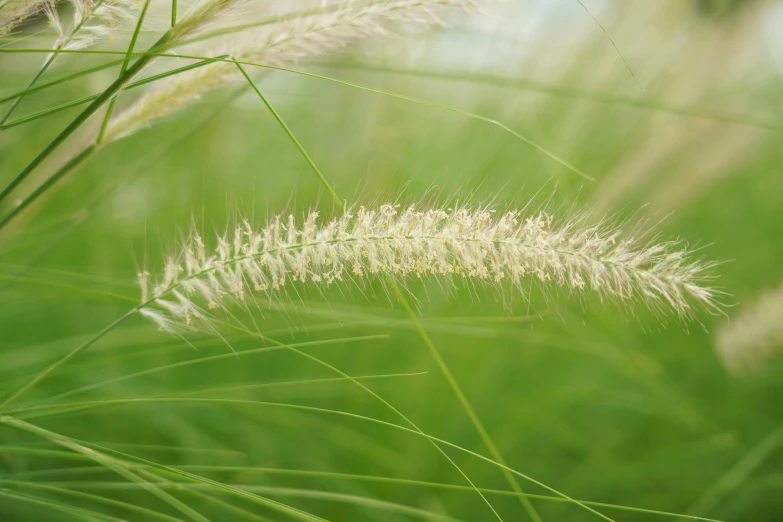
315, 360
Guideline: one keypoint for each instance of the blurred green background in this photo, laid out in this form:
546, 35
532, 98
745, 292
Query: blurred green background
603, 404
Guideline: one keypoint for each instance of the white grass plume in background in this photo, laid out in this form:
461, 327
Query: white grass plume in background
92, 21
474, 244
278, 45
203, 15
87, 23
14, 13
754, 336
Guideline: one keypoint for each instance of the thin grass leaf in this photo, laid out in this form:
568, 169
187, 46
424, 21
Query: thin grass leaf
528, 507
611, 40
80, 101
46, 411
64, 360
92, 450
329, 475
123, 70
81, 513
737, 474
527, 84
148, 513
209, 359
110, 463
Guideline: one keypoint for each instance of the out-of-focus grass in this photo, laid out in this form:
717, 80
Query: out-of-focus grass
605, 405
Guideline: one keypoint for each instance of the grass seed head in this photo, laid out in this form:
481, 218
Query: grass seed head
277, 45
754, 336
462, 244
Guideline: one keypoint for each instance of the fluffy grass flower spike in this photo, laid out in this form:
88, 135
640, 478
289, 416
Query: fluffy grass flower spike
754, 336
201, 16
461, 243
278, 45
14, 13
94, 21
90, 21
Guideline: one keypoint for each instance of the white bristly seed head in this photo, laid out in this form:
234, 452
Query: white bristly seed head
90, 21
754, 336
14, 13
95, 20
202, 16
450, 244
278, 45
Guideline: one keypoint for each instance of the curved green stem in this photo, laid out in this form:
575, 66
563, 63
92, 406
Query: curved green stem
104, 97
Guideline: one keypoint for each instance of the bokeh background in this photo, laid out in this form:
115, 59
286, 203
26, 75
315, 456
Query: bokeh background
603, 404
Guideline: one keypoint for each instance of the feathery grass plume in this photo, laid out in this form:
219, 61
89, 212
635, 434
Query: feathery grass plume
279, 45
201, 16
14, 13
754, 336
446, 243
92, 21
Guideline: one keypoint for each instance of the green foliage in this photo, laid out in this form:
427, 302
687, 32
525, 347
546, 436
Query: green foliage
329, 405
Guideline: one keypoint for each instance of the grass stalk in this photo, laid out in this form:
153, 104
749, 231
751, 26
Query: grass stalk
117, 461
66, 408
463, 400
342, 207
58, 81
104, 97
532, 513
53, 179
64, 360
30, 85
290, 134
123, 69
46, 112
49, 61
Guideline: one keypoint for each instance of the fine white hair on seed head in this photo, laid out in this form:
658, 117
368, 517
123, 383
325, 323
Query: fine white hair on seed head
495, 249
89, 21
276, 45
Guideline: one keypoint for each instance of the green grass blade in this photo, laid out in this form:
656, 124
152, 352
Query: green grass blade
342, 207
30, 85
145, 57
70, 288
61, 439
148, 513
463, 400
107, 461
84, 514
46, 112
435, 485
81, 101
611, 40
565, 92
123, 69
448, 108
49, 61
61, 80
71, 164
203, 360
528, 507
64, 360
290, 134
347, 477
83, 406
738, 473
105, 96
